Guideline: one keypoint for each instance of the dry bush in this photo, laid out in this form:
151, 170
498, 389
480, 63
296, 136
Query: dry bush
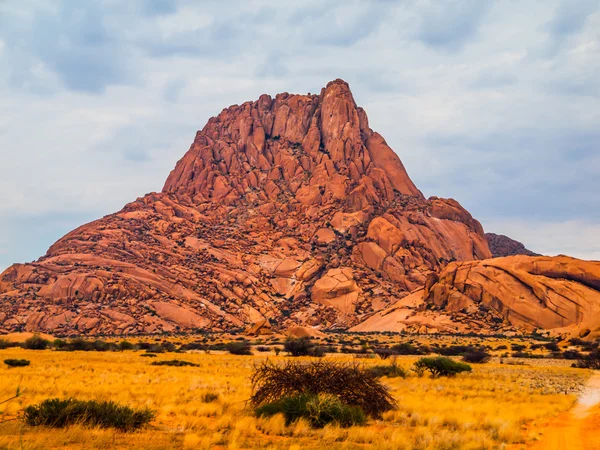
351, 383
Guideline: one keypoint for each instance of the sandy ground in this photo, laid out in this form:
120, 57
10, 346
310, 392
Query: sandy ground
579, 428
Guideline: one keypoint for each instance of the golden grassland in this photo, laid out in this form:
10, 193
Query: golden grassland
496, 406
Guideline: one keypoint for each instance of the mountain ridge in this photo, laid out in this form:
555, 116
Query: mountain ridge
285, 211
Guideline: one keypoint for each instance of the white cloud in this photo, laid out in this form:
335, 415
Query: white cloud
479, 110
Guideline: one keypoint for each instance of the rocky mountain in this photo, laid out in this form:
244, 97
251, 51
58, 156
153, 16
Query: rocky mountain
289, 210
501, 245
285, 211
559, 293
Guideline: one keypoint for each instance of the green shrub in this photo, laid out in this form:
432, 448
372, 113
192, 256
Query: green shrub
126, 345
390, 371
456, 350
103, 346
5, 343
440, 366
318, 410
149, 355
350, 383
405, 348
79, 344
384, 353
193, 346
477, 357
60, 344
303, 346
107, 414
174, 363
239, 348
16, 362
36, 342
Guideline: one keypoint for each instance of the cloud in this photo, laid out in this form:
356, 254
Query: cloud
159, 7
75, 42
569, 18
339, 23
491, 103
173, 89
449, 24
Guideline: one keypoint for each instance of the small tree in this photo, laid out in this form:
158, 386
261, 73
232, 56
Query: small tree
441, 366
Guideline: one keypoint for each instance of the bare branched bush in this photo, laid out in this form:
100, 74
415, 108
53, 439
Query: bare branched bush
351, 383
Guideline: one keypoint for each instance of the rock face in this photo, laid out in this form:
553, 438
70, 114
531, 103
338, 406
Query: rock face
552, 293
501, 245
289, 210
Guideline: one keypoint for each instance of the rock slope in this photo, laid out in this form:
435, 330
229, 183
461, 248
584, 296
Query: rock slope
501, 245
287, 210
557, 294
550, 293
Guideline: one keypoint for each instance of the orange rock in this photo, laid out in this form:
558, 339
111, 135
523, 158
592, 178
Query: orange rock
324, 236
289, 209
552, 293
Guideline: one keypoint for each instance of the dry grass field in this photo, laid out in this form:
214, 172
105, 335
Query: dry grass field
495, 406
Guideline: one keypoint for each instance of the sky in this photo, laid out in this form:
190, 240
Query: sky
495, 104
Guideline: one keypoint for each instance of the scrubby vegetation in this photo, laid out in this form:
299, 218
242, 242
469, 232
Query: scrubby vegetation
388, 370
5, 343
239, 348
303, 346
350, 383
174, 363
477, 357
104, 414
36, 342
16, 362
319, 410
440, 366
496, 406
591, 361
